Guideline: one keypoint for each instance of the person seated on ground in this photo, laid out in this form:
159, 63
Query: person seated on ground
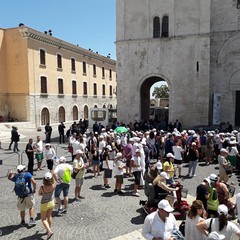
221, 225
162, 190
160, 224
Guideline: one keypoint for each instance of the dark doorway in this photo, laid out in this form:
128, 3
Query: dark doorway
237, 110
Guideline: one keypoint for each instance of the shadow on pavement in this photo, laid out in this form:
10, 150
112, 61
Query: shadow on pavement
9, 229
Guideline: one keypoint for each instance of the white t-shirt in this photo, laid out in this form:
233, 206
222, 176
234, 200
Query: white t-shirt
59, 170
39, 146
177, 152
154, 226
117, 171
137, 161
227, 231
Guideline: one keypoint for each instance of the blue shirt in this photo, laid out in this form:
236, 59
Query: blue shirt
27, 177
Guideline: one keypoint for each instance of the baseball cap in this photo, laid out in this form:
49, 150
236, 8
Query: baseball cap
222, 209
79, 151
48, 176
223, 150
62, 159
170, 155
20, 167
164, 174
213, 177
164, 204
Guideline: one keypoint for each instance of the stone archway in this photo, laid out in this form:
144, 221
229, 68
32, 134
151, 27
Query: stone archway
145, 98
45, 116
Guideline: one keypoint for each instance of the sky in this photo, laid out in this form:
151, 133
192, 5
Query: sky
88, 23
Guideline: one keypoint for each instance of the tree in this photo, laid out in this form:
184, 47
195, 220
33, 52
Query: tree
161, 92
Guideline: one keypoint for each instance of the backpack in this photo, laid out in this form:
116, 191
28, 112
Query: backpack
66, 178
20, 188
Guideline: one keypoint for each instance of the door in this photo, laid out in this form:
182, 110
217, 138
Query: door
237, 110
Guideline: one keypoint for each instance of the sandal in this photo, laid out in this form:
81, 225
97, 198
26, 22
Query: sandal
49, 235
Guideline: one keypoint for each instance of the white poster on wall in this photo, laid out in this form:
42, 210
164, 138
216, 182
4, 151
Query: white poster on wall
216, 108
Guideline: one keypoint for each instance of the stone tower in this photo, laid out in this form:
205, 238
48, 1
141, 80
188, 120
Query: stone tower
192, 45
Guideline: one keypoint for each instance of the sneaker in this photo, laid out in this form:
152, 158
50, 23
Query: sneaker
64, 210
23, 223
31, 223
136, 194
59, 212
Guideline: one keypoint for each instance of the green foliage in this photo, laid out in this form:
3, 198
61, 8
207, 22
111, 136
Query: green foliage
161, 92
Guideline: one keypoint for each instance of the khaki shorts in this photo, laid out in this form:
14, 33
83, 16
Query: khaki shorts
26, 203
79, 182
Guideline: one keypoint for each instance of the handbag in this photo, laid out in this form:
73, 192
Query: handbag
74, 174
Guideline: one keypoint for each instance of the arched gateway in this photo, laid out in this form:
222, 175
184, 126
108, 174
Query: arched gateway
145, 98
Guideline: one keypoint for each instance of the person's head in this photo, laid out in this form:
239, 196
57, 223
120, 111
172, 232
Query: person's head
223, 152
164, 209
196, 209
47, 146
193, 145
222, 216
21, 168
48, 179
170, 157
137, 152
62, 159
213, 179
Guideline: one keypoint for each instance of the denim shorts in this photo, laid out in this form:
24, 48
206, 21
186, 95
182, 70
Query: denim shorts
63, 187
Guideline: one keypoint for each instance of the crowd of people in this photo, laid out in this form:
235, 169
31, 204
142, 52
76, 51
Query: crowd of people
136, 153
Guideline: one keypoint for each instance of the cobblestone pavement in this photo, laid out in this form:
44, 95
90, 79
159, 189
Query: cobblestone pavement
101, 215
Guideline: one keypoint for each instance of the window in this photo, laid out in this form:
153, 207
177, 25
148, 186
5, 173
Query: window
156, 27
103, 90
60, 86
43, 85
95, 89
42, 57
74, 87
59, 61
110, 91
84, 68
110, 73
84, 88
94, 70
165, 23
73, 65
103, 72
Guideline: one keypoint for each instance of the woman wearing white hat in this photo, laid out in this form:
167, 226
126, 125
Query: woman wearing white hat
221, 225
47, 202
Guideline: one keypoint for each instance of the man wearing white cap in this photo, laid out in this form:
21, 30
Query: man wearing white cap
160, 224
79, 167
62, 176
23, 189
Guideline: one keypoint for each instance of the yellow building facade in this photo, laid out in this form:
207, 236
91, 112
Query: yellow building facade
45, 79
